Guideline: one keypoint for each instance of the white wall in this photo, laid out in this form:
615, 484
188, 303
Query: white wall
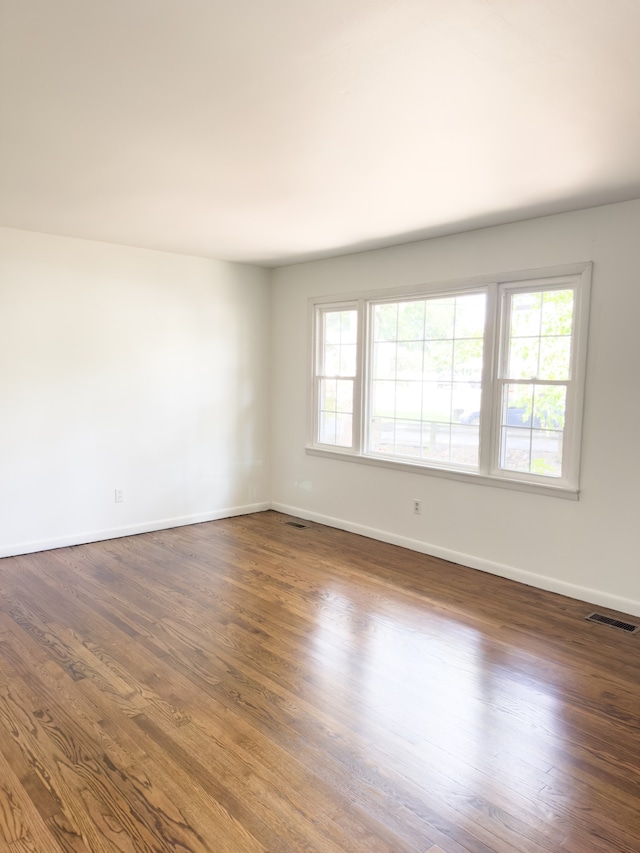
126, 368
587, 549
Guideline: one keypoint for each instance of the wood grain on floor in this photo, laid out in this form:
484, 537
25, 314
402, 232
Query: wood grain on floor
244, 686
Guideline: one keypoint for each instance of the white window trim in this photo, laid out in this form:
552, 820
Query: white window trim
495, 286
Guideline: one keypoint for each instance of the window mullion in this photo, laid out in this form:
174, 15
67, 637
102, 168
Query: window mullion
502, 314
359, 390
489, 371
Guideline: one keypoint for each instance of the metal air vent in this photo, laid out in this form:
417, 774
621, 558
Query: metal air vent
614, 623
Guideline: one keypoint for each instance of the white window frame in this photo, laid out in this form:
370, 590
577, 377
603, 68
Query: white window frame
318, 344
498, 289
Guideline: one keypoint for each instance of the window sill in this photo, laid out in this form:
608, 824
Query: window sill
563, 492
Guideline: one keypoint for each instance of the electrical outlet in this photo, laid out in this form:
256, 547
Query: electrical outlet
119, 496
416, 506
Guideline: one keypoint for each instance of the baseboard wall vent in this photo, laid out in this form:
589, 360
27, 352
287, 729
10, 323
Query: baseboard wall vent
297, 524
614, 623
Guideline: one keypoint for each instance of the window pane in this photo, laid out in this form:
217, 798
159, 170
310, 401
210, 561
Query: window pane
467, 359
517, 405
515, 449
385, 322
525, 314
439, 316
557, 312
331, 362
465, 445
409, 364
384, 399
470, 311
515, 433
465, 403
348, 360
555, 358
540, 335
338, 341
546, 453
382, 435
409, 400
438, 360
344, 430
344, 402
549, 406
436, 441
327, 428
328, 394
532, 418
332, 323
411, 321
384, 361
348, 327
524, 356
436, 402
335, 416
407, 438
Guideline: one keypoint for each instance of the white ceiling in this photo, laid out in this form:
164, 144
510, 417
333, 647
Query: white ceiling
271, 131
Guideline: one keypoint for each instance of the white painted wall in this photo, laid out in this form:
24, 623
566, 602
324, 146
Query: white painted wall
133, 369
588, 549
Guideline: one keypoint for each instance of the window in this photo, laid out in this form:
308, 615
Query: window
535, 377
481, 381
426, 377
336, 375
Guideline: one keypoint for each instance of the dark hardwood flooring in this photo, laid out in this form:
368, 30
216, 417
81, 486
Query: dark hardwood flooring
245, 686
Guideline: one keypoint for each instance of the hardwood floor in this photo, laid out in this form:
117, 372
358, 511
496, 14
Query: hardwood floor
245, 686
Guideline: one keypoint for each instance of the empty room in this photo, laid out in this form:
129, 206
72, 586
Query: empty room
318, 393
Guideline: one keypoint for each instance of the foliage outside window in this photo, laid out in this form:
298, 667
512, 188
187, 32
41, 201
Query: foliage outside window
484, 380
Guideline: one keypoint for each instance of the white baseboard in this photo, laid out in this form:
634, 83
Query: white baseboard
130, 530
582, 593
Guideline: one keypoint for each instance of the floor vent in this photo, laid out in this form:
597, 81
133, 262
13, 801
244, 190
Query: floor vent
615, 623
297, 524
